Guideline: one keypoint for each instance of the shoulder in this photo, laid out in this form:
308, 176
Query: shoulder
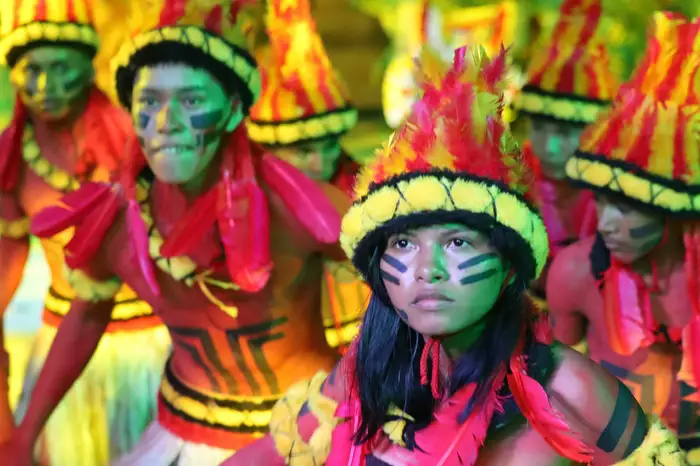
95, 211
569, 274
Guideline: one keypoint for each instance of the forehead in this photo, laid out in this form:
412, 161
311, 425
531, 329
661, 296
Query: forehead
174, 78
47, 55
554, 126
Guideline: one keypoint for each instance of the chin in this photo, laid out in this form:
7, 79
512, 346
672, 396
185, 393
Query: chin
433, 326
169, 176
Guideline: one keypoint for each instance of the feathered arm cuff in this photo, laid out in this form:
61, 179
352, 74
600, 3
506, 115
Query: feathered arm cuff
659, 448
14, 229
91, 290
284, 426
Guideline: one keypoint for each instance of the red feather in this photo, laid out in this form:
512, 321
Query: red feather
192, 228
256, 273
625, 311
303, 198
172, 12
91, 231
534, 404
247, 256
139, 243
11, 148
446, 442
74, 209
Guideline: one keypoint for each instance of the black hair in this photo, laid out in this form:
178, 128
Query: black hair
170, 52
387, 363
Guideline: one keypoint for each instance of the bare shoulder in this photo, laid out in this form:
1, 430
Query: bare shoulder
572, 265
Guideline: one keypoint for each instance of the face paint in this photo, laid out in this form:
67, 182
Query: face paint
51, 81
628, 233
181, 114
434, 264
317, 160
554, 143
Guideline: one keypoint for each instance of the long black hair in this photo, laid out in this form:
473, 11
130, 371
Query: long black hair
387, 362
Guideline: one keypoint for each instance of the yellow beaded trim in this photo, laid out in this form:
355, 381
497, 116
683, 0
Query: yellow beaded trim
48, 31
429, 193
214, 414
570, 110
88, 289
122, 310
284, 133
181, 268
599, 174
53, 176
212, 45
285, 430
14, 229
659, 448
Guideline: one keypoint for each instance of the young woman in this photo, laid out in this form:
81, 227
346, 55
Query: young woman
451, 367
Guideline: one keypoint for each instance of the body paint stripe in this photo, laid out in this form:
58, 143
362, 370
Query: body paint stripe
395, 263
477, 277
477, 260
638, 434
389, 277
617, 425
207, 120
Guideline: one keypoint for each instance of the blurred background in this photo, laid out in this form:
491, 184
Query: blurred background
372, 43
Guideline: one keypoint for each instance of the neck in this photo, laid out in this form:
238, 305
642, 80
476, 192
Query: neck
456, 344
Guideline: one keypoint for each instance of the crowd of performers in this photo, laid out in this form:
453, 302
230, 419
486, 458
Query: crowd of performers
212, 248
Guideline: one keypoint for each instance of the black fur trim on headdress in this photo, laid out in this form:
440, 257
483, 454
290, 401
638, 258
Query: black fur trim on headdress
15, 53
170, 52
520, 257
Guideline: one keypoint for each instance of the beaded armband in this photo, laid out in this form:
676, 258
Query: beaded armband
88, 289
284, 423
659, 448
14, 229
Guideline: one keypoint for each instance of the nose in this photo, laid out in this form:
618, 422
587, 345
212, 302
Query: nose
608, 220
431, 265
166, 119
42, 83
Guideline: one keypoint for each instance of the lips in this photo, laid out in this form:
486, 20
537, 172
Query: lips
431, 300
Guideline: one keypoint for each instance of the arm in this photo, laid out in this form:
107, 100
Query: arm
294, 423
604, 413
14, 250
565, 280
74, 345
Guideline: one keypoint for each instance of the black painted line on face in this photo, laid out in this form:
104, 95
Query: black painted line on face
143, 120
395, 263
74, 83
477, 277
477, 260
644, 230
390, 278
206, 120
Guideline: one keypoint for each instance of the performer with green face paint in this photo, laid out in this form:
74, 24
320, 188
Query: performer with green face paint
570, 80
303, 111
65, 132
225, 242
452, 366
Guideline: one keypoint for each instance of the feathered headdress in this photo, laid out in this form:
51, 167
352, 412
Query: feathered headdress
645, 150
210, 34
27, 23
451, 161
571, 79
303, 98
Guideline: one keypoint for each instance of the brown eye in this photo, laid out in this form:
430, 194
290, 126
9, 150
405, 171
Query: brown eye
458, 243
400, 243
